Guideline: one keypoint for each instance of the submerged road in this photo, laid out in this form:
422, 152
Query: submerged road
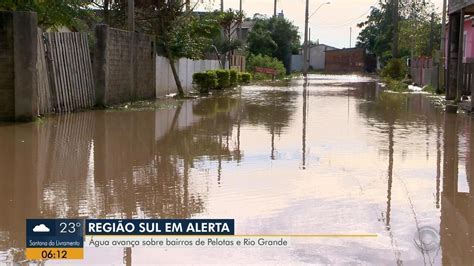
336, 157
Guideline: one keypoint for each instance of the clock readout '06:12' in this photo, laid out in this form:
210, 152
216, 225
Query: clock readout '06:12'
54, 253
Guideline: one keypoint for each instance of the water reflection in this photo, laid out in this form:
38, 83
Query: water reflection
110, 163
457, 208
334, 155
272, 109
457, 223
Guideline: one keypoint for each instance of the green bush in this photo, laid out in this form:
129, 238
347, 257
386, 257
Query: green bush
254, 61
223, 78
219, 79
245, 77
395, 69
205, 81
234, 77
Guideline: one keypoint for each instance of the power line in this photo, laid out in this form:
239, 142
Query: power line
351, 20
347, 22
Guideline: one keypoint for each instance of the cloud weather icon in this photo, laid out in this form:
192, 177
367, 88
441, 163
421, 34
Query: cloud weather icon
41, 229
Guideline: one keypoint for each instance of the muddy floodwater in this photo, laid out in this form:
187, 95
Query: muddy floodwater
338, 156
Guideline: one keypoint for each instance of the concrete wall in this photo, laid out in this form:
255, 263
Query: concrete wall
317, 58
165, 83
18, 57
296, 62
124, 66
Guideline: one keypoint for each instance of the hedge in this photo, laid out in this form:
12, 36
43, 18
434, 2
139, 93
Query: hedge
219, 79
205, 81
234, 77
245, 78
223, 79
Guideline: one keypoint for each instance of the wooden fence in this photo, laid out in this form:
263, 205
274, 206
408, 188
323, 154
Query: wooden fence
45, 105
424, 71
238, 62
70, 71
467, 78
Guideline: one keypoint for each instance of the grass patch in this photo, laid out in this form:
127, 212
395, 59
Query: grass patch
396, 85
429, 88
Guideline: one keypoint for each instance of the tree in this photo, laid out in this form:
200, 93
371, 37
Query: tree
276, 37
179, 33
415, 29
51, 13
229, 22
376, 31
261, 42
112, 12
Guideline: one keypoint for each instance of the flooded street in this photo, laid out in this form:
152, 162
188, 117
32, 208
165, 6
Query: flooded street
338, 156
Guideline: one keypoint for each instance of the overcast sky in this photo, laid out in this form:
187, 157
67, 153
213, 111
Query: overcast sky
331, 24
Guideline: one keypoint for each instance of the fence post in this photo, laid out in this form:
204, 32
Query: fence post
18, 75
100, 63
25, 26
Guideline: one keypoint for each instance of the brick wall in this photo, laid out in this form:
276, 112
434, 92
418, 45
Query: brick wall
145, 67
119, 55
7, 83
124, 66
345, 60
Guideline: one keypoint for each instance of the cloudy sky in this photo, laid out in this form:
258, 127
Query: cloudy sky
331, 24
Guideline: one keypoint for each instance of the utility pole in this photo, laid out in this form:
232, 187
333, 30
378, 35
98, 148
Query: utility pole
222, 5
430, 52
350, 38
309, 47
240, 24
395, 29
188, 5
413, 16
131, 15
305, 51
275, 8
442, 59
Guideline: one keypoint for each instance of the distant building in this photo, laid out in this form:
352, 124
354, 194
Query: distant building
281, 14
317, 57
242, 32
350, 60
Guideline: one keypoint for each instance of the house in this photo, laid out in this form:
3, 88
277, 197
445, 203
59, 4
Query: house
460, 40
242, 32
317, 57
468, 40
